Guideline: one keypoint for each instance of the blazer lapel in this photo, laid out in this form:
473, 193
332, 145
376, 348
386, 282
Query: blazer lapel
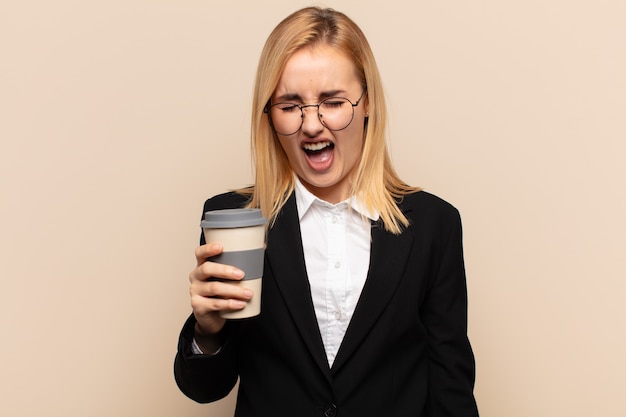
388, 257
286, 260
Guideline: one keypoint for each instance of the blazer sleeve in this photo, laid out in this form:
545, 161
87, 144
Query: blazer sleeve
207, 378
204, 378
451, 366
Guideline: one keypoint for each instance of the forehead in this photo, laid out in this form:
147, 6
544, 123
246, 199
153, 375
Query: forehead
313, 71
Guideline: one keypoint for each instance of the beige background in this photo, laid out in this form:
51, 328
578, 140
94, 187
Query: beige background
118, 118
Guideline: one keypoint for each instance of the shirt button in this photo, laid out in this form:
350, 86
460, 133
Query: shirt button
333, 219
337, 265
330, 411
338, 315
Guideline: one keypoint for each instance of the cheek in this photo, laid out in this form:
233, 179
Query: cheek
287, 146
357, 135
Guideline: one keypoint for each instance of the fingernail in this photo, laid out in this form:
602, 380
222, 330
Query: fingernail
238, 273
247, 293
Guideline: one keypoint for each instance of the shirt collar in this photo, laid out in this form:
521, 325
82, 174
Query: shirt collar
305, 199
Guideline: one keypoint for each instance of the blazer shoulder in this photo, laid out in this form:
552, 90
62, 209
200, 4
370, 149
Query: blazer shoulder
226, 200
424, 201
429, 211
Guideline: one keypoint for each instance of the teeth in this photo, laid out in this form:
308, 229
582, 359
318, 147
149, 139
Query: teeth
315, 146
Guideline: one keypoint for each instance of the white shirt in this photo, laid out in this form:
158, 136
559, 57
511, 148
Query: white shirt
336, 239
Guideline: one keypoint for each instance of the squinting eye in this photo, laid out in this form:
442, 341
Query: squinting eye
333, 104
287, 107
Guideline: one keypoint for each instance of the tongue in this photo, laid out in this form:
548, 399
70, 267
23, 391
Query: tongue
319, 156
320, 159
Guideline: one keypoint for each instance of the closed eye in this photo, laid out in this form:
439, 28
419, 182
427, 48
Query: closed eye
333, 103
287, 107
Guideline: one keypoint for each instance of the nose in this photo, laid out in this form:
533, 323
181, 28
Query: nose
311, 124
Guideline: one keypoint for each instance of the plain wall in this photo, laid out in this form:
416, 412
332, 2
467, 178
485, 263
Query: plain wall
118, 118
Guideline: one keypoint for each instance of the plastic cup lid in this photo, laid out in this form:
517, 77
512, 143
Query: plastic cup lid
244, 217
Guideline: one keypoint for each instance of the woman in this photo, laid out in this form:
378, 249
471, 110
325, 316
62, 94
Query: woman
364, 294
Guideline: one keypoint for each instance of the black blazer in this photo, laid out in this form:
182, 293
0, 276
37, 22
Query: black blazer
405, 352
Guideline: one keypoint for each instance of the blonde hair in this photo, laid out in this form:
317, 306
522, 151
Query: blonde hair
375, 183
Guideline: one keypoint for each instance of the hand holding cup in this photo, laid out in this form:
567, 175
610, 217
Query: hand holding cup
211, 293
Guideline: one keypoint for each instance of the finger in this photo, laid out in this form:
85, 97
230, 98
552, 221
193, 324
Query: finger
206, 251
212, 270
205, 305
220, 289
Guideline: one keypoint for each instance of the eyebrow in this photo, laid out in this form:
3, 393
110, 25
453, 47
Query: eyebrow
297, 97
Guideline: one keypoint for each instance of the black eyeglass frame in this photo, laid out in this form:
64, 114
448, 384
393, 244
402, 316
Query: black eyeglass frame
268, 106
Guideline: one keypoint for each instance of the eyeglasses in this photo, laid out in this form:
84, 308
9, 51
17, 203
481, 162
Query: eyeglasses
335, 113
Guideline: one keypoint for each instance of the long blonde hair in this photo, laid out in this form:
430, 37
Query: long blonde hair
375, 183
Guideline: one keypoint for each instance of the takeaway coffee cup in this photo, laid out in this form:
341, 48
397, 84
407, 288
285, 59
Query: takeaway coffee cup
241, 232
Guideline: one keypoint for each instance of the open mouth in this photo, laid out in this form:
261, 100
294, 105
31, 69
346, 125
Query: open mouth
319, 154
